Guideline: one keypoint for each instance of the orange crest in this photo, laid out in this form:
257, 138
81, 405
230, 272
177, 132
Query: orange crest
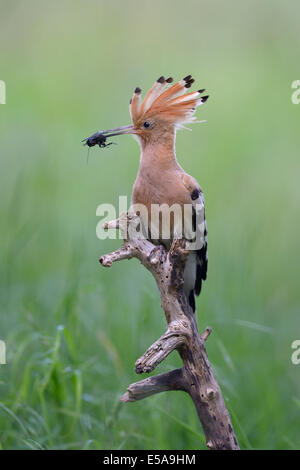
171, 104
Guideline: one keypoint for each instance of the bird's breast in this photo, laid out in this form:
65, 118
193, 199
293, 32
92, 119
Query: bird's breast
159, 198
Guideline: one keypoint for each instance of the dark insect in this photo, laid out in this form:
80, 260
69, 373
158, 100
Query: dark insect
97, 139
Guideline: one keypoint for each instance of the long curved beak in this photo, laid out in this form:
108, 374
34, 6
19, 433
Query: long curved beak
118, 131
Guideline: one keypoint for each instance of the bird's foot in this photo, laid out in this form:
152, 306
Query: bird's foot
157, 255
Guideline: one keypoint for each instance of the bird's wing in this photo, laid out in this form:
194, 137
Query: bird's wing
201, 270
199, 227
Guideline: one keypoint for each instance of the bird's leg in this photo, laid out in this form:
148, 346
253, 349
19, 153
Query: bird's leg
178, 254
158, 254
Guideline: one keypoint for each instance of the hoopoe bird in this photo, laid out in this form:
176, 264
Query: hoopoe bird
161, 181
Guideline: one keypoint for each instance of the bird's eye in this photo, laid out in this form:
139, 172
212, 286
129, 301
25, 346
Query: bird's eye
146, 124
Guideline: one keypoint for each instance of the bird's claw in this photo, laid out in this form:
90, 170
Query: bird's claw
157, 255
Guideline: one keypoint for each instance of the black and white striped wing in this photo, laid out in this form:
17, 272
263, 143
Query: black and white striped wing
199, 226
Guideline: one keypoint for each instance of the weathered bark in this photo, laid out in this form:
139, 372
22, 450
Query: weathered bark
196, 377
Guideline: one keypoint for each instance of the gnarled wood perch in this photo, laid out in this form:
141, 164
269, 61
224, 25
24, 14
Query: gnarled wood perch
196, 377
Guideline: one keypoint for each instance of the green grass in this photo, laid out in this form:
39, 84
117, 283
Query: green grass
73, 329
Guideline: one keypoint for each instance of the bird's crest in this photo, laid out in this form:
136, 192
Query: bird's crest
172, 103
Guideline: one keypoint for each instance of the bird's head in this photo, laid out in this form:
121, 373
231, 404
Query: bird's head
163, 109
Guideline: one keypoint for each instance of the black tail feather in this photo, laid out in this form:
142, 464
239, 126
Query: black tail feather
192, 300
199, 278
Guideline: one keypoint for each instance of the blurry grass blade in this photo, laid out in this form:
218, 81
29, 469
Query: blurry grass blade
200, 436
53, 358
70, 342
25, 383
46, 417
238, 427
77, 384
297, 402
112, 352
226, 355
34, 445
14, 416
255, 326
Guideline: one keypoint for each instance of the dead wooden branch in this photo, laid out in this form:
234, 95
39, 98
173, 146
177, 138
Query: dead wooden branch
196, 377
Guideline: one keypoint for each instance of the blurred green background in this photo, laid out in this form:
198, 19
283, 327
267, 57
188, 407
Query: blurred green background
73, 330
